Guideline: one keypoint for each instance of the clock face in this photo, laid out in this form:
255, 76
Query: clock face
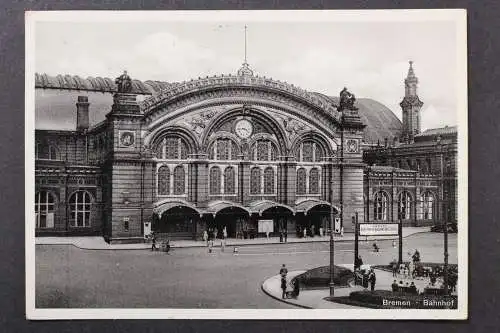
243, 129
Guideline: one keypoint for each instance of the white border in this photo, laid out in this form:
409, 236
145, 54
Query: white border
455, 15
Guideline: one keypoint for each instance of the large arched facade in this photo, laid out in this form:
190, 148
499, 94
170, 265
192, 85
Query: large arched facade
242, 150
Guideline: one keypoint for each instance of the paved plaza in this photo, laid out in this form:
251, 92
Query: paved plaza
190, 277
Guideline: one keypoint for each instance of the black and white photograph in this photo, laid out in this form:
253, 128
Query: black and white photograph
246, 164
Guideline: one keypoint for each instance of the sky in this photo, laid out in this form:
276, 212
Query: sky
369, 58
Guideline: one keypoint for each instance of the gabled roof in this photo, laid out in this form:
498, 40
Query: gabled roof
447, 130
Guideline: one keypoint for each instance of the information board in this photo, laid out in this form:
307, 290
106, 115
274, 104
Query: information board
378, 229
266, 226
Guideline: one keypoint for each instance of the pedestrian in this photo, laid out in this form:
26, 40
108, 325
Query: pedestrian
286, 235
373, 279
416, 256
312, 230
375, 247
224, 232
321, 231
394, 266
281, 236
205, 236
296, 288
216, 233
267, 234
283, 286
358, 262
283, 270
153, 242
411, 269
342, 231
305, 232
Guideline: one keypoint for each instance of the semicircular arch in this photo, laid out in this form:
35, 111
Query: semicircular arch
153, 139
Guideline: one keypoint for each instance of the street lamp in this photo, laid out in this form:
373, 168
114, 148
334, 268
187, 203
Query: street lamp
444, 217
332, 247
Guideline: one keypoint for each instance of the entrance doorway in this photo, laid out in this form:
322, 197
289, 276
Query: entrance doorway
233, 219
178, 222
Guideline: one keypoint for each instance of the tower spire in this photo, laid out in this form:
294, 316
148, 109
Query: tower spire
245, 69
411, 106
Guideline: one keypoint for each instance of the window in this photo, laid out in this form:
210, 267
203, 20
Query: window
264, 150
309, 151
404, 205
314, 181
427, 206
163, 180
268, 180
255, 181
301, 181
428, 165
215, 180
172, 148
381, 206
44, 209
80, 204
45, 152
179, 180
229, 187
223, 149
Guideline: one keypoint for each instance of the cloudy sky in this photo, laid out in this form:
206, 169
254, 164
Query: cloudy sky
370, 58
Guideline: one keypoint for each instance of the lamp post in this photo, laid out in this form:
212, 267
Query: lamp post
332, 244
444, 218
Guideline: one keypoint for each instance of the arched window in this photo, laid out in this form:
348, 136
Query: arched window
44, 209
229, 187
223, 149
45, 152
163, 180
268, 180
172, 148
309, 151
264, 150
314, 181
301, 181
215, 180
255, 181
179, 180
427, 205
381, 206
404, 205
428, 165
80, 204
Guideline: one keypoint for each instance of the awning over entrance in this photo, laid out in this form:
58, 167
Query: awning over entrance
260, 206
164, 205
306, 205
216, 206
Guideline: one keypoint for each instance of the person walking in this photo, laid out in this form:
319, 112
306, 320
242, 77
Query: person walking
205, 236
321, 231
312, 230
283, 270
373, 279
286, 235
342, 231
224, 232
283, 287
305, 232
153, 242
296, 288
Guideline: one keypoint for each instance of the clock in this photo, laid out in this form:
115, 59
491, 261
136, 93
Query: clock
243, 129
352, 146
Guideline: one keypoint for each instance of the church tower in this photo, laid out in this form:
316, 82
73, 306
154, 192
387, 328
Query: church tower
411, 106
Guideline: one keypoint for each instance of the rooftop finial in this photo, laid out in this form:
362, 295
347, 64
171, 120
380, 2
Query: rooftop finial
245, 44
411, 74
245, 69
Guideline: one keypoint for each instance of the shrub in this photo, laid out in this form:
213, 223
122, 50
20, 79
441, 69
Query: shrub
319, 277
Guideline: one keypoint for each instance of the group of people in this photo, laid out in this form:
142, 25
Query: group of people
364, 276
212, 234
404, 287
164, 246
284, 285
